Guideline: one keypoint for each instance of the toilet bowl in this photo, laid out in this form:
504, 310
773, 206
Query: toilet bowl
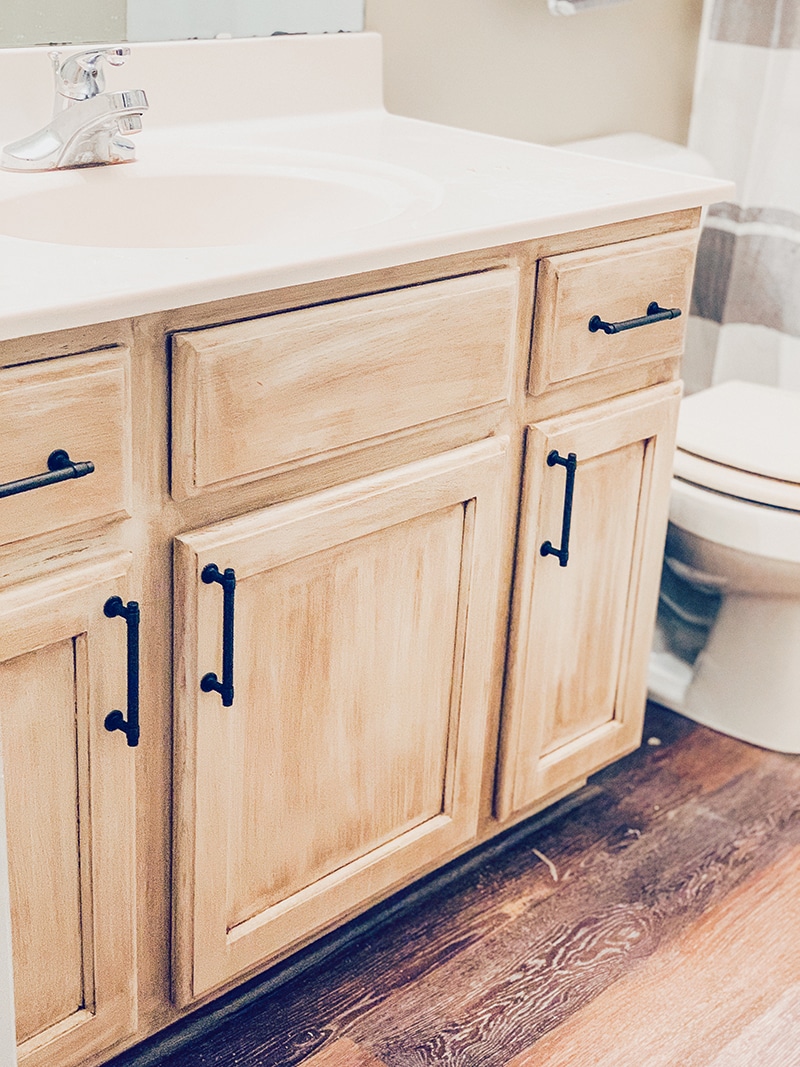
735, 529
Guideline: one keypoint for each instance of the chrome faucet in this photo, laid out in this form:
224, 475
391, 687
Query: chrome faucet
88, 127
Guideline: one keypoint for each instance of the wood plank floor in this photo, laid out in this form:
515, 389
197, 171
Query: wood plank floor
655, 925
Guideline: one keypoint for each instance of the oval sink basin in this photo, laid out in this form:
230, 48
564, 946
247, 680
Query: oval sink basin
129, 207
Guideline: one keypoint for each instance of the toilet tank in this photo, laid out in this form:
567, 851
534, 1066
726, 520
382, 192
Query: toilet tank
645, 150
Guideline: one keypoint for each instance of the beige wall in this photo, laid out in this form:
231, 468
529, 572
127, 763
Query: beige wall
504, 66
509, 67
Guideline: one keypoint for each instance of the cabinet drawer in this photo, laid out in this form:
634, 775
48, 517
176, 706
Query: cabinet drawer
617, 283
75, 404
253, 396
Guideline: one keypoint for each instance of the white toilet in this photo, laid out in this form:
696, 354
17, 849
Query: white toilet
735, 528
733, 539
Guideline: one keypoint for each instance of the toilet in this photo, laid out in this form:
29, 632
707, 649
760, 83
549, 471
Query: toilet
733, 542
734, 531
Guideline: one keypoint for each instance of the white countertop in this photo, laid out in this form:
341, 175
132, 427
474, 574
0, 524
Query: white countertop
294, 106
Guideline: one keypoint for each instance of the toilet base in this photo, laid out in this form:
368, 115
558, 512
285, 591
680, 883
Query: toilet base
746, 681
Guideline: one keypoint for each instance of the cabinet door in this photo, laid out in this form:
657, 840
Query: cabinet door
351, 754
581, 632
69, 814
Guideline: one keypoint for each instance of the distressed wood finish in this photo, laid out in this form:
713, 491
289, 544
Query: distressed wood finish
157, 518
365, 622
80, 404
576, 679
255, 395
70, 815
617, 282
653, 925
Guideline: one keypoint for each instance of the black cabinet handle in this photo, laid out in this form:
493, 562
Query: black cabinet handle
210, 683
59, 468
654, 314
115, 720
571, 463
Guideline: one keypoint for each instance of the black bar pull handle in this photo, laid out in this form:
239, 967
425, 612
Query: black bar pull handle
210, 683
115, 720
654, 314
571, 463
59, 468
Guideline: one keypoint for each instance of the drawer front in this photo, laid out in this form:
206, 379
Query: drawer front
617, 283
254, 396
75, 404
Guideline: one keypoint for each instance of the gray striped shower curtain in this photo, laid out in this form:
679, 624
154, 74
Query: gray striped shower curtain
746, 120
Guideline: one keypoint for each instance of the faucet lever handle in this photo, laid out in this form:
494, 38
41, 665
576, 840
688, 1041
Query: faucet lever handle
81, 76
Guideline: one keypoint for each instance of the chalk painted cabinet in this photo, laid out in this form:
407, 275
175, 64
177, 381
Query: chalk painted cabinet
356, 662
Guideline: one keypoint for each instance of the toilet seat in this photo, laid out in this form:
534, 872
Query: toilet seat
753, 488
742, 440
769, 532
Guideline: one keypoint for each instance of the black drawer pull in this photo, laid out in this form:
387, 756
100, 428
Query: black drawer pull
654, 314
571, 463
210, 683
59, 468
115, 720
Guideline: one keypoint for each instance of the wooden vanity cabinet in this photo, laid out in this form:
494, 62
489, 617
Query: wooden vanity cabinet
409, 675
365, 671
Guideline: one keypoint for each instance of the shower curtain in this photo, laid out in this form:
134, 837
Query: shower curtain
745, 320
746, 120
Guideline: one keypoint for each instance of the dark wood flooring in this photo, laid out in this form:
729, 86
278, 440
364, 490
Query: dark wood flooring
656, 924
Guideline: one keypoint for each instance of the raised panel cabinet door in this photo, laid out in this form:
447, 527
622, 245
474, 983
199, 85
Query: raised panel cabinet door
582, 620
343, 752
69, 799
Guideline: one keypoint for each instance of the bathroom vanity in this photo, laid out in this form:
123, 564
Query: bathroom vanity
365, 570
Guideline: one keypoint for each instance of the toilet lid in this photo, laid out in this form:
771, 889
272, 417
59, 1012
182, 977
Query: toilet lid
751, 428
